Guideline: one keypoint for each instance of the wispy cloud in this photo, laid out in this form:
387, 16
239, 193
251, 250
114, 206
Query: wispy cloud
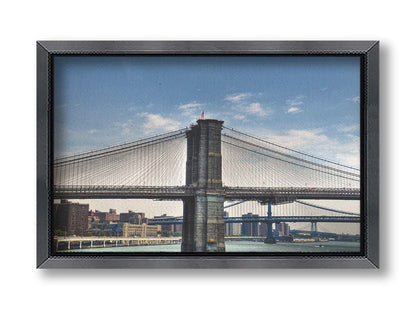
190, 109
239, 117
238, 97
349, 152
294, 110
294, 104
255, 109
92, 131
316, 142
351, 128
156, 122
127, 127
298, 100
301, 139
132, 109
355, 99
246, 104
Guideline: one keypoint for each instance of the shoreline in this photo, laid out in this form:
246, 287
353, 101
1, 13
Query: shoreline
232, 246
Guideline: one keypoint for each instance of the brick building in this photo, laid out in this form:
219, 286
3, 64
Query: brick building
70, 218
107, 216
132, 217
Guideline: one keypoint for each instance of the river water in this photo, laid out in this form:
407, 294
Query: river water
331, 246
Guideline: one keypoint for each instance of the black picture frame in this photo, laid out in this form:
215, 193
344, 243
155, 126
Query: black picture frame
367, 50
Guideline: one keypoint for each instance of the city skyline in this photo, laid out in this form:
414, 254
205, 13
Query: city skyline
154, 208
112, 219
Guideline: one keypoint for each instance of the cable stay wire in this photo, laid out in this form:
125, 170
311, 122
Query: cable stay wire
156, 164
293, 157
290, 162
289, 149
327, 209
122, 147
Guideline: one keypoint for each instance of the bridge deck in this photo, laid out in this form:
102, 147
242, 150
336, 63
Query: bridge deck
273, 219
183, 192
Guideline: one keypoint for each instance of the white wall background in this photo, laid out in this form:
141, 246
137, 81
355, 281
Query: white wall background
25, 288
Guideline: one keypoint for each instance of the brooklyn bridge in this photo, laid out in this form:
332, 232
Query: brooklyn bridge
205, 166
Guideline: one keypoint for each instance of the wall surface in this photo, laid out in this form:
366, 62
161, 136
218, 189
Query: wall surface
25, 288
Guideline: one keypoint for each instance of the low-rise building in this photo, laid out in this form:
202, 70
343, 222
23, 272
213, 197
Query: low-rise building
107, 216
141, 230
166, 227
132, 217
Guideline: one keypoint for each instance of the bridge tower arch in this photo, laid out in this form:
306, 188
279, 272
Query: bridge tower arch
203, 215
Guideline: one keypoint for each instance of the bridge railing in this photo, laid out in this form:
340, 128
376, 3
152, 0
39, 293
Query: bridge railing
292, 192
254, 193
108, 191
265, 219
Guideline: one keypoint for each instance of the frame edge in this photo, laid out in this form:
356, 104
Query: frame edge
207, 47
372, 164
42, 155
164, 262
44, 50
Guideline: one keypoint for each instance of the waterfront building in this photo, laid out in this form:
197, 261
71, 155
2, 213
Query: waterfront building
250, 228
132, 217
70, 218
228, 229
177, 228
282, 229
166, 227
236, 229
263, 229
92, 219
232, 229
107, 216
141, 230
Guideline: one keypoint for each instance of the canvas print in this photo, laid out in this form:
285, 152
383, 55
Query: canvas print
206, 154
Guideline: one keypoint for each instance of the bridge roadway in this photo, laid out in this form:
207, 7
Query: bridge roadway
264, 219
323, 234
183, 192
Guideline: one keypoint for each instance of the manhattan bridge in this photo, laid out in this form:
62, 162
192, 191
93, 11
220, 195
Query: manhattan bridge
205, 166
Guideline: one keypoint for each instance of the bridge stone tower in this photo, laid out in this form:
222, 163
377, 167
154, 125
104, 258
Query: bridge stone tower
203, 216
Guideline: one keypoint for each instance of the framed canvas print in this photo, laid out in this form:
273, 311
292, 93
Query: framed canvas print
224, 154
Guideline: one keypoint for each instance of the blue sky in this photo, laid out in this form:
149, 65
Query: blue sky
307, 103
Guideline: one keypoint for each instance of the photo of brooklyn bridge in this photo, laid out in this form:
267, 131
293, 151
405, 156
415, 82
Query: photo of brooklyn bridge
206, 154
